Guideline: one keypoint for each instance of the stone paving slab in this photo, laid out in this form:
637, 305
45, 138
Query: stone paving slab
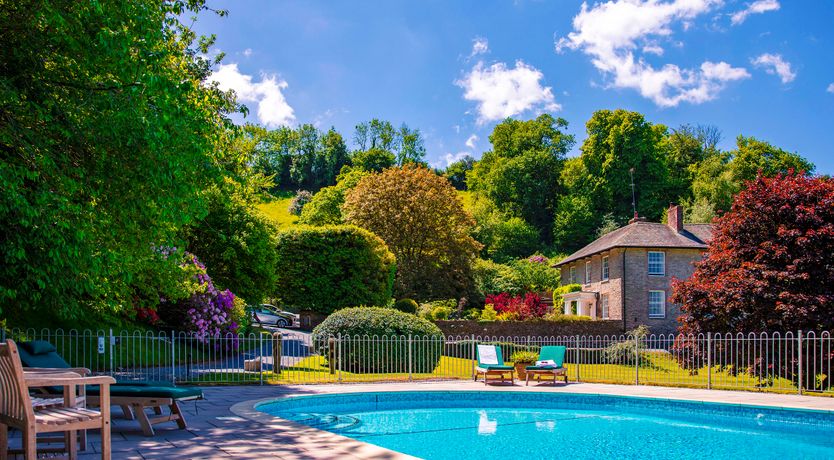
226, 426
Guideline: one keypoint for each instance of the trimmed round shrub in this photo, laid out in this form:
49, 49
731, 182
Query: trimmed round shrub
406, 306
298, 201
375, 340
327, 268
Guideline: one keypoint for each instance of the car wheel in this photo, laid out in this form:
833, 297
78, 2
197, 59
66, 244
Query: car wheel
281, 323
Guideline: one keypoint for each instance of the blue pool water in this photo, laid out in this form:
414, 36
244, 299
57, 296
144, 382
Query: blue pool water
459, 425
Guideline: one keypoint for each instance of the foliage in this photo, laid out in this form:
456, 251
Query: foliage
767, 266
406, 306
558, 293
405, 144
524, 357
504, 238
237, 246
326, 206
456, 172
109, 136
573, 220
300, 158
208, 312
365, 357
488, 313
492, 278
625, 352
438, 309
277, 211
373, 160
536, 273
518, 308
419, 216
327, 268
608, 225
301, 198
521, 174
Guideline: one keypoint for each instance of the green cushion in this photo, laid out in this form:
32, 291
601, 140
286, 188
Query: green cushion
37, 347
495, 367
544, 368
151, 391
555, 353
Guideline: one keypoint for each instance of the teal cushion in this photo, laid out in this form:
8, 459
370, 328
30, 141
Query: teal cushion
43, 359
37, 347
544, 368
496, 367
151, 391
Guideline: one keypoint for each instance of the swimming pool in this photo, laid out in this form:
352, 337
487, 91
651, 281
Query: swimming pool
468, 424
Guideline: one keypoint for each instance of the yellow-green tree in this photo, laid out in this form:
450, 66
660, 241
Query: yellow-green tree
418, 215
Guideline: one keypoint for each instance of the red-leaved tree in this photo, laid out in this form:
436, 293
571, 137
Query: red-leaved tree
770, 263
768, 268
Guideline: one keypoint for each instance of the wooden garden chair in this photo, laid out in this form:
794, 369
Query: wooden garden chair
491, 363
17, 409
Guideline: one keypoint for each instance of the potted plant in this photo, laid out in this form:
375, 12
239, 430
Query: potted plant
522, 359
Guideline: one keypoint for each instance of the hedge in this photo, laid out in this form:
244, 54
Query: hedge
327, 268
362, 353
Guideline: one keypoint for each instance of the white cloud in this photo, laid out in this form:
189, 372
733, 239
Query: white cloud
273, 109
610, 33
470, 142
247, 52
830, 88
757, 7
453, 157
775, 65
502, 92
480, 45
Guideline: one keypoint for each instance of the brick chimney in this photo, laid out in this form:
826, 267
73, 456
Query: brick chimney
674, 217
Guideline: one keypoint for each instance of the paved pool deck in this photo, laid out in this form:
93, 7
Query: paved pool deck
225, 426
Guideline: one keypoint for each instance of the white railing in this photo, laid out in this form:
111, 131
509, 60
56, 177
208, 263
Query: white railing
781, 362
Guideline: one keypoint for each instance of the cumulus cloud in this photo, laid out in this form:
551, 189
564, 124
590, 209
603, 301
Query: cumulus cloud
501, 91
757, 7
470, 142
453, 157
611, 34
830, 88
273, 109
480, 45
775, 65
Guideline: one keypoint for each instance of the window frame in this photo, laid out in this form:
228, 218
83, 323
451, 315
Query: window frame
572, 270
605, 270
588, 272
662, 304
603, 303
662, 263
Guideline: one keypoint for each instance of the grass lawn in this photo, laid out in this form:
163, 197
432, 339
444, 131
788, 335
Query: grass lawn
278, 210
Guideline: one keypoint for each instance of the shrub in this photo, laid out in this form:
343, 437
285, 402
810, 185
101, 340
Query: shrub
559, 292
488, 314
623, 352
362, 356
406, 306
524, 357
298, 201
518, 308
472, 314
491, 278
209, 312
438, 309
327, 268
536, 274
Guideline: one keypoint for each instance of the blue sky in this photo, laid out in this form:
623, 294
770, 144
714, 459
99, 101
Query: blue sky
453, 69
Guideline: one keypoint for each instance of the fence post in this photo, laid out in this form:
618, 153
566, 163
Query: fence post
331, 354
578, 355
277, 352
636, 359
473, 359
709, 360
410, 357
112, 343
339, 356
261, 358
173, 359
799, 380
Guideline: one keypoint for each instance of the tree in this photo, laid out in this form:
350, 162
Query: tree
685, 148
456, 172
327, 268
109, 137
503, 238
373, 160
237, 246
521, 173
767, 267
419, 216
326, 206
410, 146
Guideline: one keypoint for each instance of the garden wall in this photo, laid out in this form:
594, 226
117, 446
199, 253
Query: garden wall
531, 328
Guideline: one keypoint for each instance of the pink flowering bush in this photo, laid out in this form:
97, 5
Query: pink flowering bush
517, 308
209, 312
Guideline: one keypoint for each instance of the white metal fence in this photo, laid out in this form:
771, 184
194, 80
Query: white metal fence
789, 362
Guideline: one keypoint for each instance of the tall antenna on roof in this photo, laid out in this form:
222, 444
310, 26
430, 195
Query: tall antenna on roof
633, 199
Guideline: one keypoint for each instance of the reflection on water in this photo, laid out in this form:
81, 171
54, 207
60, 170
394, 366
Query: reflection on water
485, 425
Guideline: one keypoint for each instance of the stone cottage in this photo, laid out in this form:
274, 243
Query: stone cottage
627, 274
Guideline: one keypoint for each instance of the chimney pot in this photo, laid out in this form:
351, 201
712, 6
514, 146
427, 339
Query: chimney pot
674, 217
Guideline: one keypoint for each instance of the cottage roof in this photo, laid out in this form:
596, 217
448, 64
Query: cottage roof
642, 234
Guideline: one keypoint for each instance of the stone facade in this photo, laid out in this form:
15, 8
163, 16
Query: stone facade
529, 328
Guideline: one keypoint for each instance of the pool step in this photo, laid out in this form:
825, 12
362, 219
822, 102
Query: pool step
326, 421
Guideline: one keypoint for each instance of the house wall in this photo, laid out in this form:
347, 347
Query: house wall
636, 284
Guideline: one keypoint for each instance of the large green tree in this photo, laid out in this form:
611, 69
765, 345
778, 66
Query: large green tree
109, 135
521, 172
